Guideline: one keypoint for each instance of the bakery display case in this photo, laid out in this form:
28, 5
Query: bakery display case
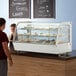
53, 38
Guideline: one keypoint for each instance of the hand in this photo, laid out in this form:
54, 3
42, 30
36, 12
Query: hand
10, 63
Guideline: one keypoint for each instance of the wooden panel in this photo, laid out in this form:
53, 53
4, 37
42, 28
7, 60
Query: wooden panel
32, 66
71, 67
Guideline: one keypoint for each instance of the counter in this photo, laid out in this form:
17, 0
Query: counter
37, 64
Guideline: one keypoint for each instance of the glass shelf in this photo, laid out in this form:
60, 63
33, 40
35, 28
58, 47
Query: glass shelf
43, 33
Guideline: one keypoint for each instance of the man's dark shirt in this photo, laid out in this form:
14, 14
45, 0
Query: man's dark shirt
3, 38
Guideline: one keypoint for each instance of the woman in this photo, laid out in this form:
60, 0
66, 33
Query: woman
12, 36
4, 51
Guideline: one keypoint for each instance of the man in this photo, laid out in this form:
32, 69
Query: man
4, 51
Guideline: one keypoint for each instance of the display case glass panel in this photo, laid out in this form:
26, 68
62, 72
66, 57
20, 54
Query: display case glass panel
43, 33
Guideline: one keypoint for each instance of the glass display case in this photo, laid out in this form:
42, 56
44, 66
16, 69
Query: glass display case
52, 35
38, 34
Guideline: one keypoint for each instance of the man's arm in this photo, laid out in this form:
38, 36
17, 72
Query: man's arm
7, 52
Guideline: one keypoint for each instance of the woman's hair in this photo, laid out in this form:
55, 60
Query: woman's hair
13, 25
2, 21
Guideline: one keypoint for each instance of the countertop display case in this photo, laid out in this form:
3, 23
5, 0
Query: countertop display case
53, 38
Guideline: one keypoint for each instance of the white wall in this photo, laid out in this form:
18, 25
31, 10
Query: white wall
65, 11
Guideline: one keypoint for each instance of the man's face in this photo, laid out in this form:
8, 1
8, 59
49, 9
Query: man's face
3, 27
12, 29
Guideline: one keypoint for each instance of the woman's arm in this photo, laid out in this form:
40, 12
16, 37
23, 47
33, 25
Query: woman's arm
7, 52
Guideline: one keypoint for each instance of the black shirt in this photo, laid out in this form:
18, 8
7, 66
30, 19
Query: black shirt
3, 38
11, 40
11, 37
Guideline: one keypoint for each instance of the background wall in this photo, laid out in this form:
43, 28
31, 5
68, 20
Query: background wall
65, 11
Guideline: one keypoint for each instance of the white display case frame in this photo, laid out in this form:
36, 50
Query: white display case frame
57, 48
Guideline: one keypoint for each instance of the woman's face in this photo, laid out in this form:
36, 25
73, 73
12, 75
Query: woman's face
12, 29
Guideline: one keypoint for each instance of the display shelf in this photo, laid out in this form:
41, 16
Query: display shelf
53, 36
40, 33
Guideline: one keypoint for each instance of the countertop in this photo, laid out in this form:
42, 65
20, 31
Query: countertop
71, 55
